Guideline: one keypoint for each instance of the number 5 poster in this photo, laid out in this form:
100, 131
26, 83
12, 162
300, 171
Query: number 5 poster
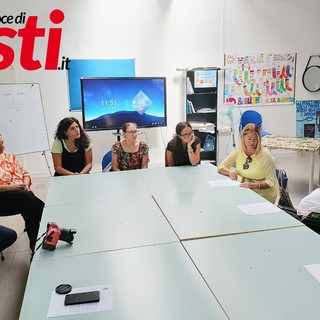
260, 79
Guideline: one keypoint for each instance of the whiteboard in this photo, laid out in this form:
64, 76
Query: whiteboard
22, 120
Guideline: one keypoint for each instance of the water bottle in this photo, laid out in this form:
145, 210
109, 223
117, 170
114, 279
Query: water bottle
209, 143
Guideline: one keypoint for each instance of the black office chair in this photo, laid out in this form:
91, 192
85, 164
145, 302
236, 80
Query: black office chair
8, 237
7, 213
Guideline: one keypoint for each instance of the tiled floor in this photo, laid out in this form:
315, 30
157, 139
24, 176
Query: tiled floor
14, 269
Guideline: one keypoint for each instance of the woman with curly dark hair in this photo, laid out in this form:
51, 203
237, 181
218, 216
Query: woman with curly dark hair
71, 149
184, 148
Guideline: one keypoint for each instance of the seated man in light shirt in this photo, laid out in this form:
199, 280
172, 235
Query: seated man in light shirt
310, 203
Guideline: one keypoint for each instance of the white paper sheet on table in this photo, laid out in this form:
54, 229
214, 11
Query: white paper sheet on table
57, 307
258, 208
314, 269
224, 183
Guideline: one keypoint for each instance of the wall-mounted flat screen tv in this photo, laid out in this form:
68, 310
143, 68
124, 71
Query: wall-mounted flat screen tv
108, 103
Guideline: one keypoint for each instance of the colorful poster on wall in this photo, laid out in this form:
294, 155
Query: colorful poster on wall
260, 79
308, 118
205, 78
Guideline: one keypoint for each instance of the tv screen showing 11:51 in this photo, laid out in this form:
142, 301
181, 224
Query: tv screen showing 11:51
108, 103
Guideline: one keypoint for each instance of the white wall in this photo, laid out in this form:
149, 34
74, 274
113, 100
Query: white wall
162, 35
274, 26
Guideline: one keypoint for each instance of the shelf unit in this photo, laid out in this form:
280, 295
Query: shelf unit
201, 106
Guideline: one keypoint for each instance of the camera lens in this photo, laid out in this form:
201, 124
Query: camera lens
67, 235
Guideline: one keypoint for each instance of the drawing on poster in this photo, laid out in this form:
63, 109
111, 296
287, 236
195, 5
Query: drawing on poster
260, 79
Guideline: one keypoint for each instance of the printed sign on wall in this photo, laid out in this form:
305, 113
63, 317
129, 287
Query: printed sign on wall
260, 79
308, 118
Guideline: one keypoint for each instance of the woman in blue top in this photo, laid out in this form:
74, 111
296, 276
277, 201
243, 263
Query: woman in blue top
71, 149
184, 148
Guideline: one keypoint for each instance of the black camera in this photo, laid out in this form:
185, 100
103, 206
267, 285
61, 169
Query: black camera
54, 233
67, 235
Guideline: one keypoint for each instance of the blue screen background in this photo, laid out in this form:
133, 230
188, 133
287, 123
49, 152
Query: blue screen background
117, 94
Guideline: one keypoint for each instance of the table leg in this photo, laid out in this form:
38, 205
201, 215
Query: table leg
318, 182
311, 172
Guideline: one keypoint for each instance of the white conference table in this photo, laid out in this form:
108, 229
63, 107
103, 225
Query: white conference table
295, 144
195, 209
94, 187
129, 231
155, 282
107, 225
198, 215
192, 206
179, 179
261, 275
